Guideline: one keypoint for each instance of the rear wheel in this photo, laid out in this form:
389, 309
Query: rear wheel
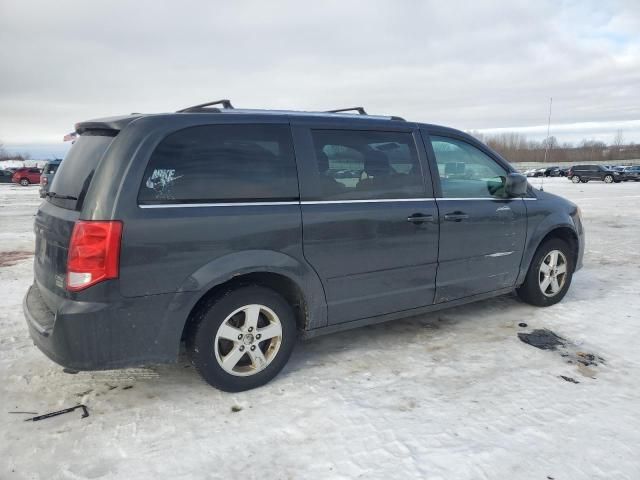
575, 179
243, 339
549, 275
24, 182
608, 178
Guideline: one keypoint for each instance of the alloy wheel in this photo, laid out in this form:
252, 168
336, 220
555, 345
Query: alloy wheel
553, 273
248, 340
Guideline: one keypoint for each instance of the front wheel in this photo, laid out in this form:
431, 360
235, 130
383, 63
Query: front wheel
608, 178
575, 179
243, 339
549, 275
24, 182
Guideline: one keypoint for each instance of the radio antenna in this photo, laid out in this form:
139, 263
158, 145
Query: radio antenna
546, 149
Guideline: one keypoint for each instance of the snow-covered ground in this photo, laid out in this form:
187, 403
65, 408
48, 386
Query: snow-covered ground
452, 395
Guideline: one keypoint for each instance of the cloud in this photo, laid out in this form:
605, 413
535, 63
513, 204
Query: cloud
467, 65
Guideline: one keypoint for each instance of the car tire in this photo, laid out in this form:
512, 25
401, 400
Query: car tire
24, 182
608, 179
245, 361
575, 179
536, 290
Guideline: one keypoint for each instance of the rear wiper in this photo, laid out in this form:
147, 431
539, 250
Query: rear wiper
63, 197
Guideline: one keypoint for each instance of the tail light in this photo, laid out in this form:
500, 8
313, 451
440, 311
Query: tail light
43, 180
94, 253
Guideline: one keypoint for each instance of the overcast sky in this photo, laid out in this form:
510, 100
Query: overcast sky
470, 65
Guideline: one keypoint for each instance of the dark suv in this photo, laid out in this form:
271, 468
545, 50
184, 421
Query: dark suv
234, 230
584, 173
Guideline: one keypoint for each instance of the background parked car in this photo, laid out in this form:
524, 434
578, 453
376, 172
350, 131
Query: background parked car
535, 172
26, 176
584, 173
5, 176
48, 172
552, 172
631, 173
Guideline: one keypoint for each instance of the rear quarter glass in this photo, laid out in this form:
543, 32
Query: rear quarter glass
73, 177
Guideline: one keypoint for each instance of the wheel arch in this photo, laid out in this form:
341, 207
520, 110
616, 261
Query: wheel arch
567, 234
564, 231
295, 281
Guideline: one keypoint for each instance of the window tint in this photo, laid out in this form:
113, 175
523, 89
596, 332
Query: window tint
74, 174
222, 163
366, 165
465, 171
50, 168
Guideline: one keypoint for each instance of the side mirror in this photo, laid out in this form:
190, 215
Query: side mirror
515, 185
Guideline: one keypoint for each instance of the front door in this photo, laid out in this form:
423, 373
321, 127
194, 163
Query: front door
482, 233
369, 220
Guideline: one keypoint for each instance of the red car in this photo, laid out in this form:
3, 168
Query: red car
26, 176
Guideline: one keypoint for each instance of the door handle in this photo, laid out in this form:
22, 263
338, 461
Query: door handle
420, 218
455, 217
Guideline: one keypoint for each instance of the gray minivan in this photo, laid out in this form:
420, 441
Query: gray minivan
235, 230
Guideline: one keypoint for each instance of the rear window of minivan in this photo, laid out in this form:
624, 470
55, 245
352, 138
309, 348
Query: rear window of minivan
73, 177
222, 163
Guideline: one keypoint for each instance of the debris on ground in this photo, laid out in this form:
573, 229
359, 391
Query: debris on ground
569, 379
543, 339
523, 325
85, 413
547, 340
236, 408
589, 359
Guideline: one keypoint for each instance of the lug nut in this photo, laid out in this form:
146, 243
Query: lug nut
242, 348
253, 347
240, 337
258, 336
251, 329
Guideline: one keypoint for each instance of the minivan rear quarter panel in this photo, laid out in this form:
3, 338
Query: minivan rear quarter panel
167, 248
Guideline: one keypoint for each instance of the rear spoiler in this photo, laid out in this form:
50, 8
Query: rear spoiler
109, 126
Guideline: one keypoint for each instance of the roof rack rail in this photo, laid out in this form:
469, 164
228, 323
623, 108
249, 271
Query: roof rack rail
226, 104
360, 110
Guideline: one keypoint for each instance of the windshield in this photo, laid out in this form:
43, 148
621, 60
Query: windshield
73, 177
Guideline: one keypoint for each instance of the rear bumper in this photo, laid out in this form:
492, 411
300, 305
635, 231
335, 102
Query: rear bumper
100, 336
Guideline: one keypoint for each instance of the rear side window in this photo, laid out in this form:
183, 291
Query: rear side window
362, 165
226, 163
73, 177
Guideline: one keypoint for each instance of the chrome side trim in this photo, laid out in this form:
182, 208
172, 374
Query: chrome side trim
228, 204
308, 202
375, 200
499, 254
485, 198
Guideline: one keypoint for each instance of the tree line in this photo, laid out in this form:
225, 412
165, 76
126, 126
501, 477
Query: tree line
5, 155
515, 147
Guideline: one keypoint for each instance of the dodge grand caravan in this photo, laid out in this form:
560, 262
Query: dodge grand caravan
235, 230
